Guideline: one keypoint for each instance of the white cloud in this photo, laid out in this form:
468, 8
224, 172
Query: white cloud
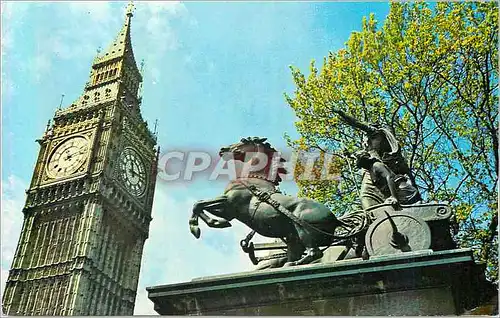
6, 41
13, 11
153, 22
12, 15
65, 40
143, 306
210, 66
84, 26
193, 22
12, 219
104, 20
40, 66
8, 89
158, 7
156, 16
188, 59
154, 75
96, 11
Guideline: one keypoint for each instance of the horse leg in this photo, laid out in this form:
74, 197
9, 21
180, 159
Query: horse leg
193, 224
275, 263
216, 204
312, 254
312, 251
214, 223
294, 249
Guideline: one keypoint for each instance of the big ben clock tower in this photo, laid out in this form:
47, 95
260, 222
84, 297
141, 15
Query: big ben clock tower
88, 207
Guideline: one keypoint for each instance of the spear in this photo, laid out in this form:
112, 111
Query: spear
353, 122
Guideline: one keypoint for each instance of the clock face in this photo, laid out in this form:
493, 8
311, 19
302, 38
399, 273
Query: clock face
132, 172
68, 157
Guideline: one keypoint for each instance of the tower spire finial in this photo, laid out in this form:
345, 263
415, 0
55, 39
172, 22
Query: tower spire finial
130, 9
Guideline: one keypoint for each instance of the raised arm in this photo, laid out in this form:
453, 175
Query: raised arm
353, 122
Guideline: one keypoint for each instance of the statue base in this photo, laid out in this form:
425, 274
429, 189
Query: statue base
411, 283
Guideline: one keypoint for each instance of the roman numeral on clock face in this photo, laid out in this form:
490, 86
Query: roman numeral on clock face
68, 157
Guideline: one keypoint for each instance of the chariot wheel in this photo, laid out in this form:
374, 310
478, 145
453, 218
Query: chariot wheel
397, 233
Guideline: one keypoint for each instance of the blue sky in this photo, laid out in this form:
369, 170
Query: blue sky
214, 72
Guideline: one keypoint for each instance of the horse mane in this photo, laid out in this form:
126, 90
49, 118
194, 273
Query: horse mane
268, 149
258, 141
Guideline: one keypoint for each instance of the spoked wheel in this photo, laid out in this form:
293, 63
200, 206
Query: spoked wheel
397, 233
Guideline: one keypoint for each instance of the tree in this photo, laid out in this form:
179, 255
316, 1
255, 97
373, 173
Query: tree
432, 75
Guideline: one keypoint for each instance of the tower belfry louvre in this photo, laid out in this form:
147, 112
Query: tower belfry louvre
88, 207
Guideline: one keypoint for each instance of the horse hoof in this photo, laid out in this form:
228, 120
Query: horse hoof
195, 231
287, 264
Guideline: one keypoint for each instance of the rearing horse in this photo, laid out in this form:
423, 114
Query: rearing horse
302, 223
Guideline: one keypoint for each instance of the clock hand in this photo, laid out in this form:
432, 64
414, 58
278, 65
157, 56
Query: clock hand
77, 151
80, 151
132, 167
135, 173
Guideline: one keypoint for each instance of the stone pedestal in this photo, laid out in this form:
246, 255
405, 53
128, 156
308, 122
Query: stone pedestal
413, 283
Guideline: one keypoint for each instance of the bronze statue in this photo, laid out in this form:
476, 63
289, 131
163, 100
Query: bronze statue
383, 183
386, 174
303, 224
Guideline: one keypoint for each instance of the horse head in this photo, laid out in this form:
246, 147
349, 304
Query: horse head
255, 156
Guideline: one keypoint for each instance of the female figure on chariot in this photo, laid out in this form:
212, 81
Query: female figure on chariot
380, 159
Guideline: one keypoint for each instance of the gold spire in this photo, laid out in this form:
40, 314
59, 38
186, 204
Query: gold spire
122, 45
130, 9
